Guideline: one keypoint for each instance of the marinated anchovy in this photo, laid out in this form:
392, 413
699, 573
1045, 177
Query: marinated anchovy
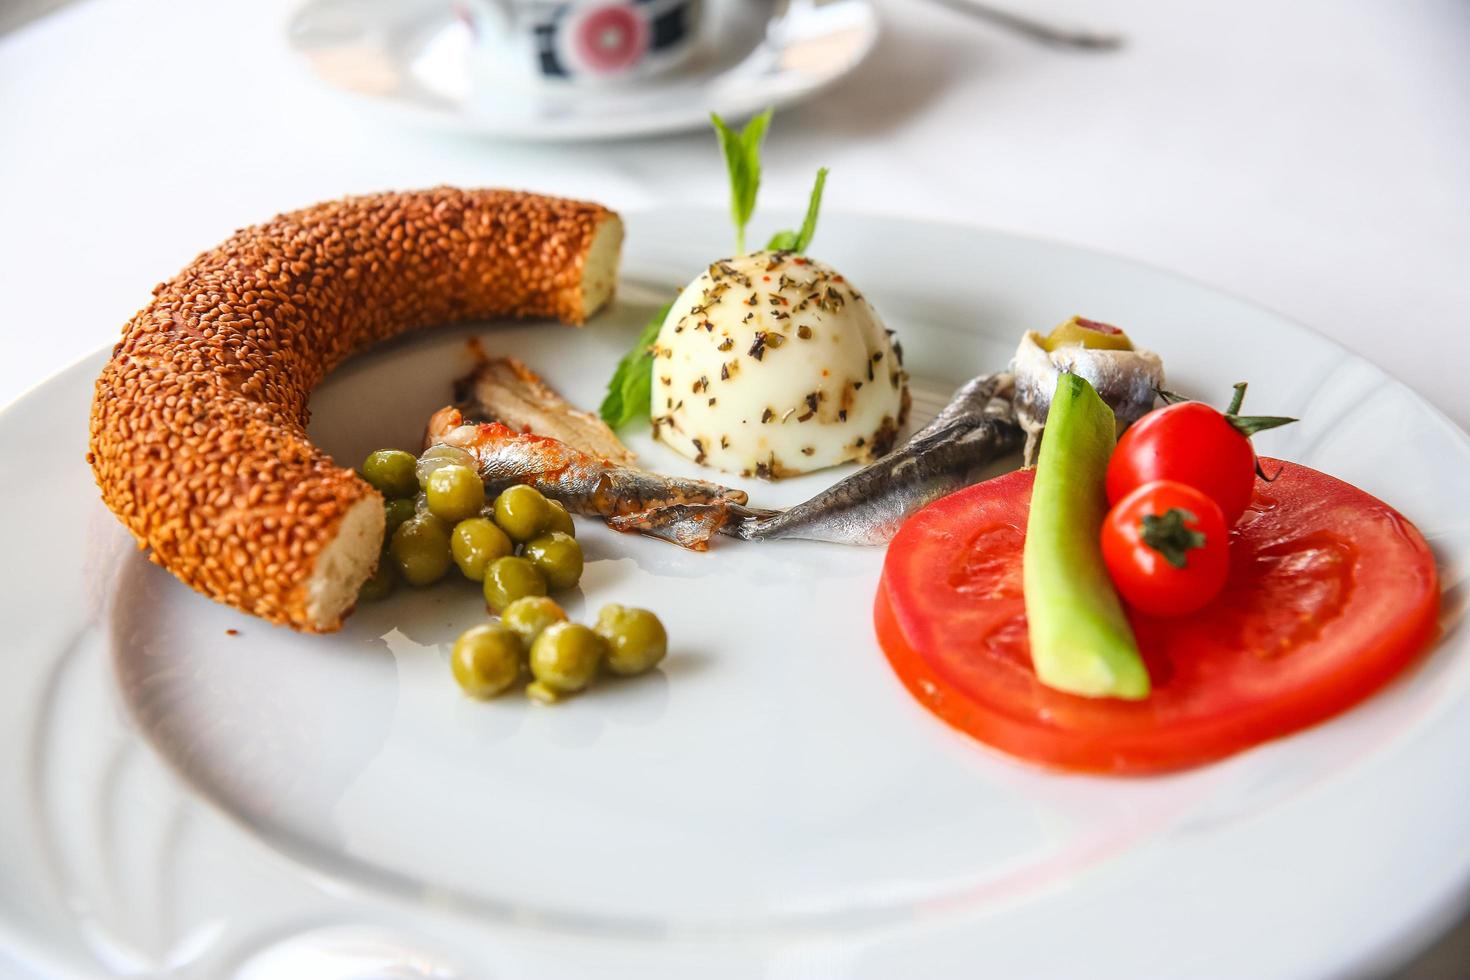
502, 389
687, 525
584, 483
1125, 378
867, 508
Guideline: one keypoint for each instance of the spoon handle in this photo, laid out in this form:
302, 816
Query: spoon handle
1045, 33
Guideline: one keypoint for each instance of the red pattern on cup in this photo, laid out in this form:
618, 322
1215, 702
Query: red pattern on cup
609, 39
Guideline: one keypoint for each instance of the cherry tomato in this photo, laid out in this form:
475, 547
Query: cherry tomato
1167, 548
1193, 444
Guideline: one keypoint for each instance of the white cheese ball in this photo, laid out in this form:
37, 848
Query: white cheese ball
772, 364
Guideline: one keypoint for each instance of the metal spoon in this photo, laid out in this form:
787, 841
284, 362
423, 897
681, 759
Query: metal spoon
1063, 37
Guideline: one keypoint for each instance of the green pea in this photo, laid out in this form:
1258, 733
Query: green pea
436, 456
475, 543
486, 660
565, 657
636, 640
395, 512
455, 493
509, 579
558, 557
420, 549
559, 519
381, 583
521, 512
391, 472
531, 614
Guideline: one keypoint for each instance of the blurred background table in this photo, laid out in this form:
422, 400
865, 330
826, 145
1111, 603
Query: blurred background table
1313, 156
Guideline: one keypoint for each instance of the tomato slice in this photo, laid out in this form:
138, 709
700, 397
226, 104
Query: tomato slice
1331, 593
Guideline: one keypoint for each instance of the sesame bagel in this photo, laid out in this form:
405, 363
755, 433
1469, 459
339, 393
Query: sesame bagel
198, 429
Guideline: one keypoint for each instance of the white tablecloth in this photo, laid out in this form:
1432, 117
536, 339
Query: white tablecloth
1314, 156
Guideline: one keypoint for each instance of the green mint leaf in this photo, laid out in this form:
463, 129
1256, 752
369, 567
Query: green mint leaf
792, 241
631, 386
782, 241
742, 152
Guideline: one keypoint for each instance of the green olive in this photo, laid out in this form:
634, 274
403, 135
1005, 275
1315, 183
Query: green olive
565, 657
508, 579
381, 583
455, 493
636, 640
436, 456
531, 614
486, 660
475, 543
521, 512
558, 557
391, 472
420, 549
559, 519
395, 512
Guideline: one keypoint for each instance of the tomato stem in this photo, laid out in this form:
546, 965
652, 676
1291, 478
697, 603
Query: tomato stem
1249, 425
1238, 399
1171, 536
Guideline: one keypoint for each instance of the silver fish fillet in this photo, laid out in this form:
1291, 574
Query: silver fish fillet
502, 389
584, 483
867, 508
1125, 379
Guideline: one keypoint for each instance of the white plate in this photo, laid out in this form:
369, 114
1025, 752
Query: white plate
772, 802
419, 61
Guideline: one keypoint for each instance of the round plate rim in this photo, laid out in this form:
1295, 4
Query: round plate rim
1409, 923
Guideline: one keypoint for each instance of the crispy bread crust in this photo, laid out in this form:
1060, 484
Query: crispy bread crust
198, 429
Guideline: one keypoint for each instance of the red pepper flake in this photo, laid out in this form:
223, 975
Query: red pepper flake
765, 278
232, 632
801, 261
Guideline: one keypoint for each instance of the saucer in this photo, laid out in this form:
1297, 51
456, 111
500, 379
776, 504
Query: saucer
421, 61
